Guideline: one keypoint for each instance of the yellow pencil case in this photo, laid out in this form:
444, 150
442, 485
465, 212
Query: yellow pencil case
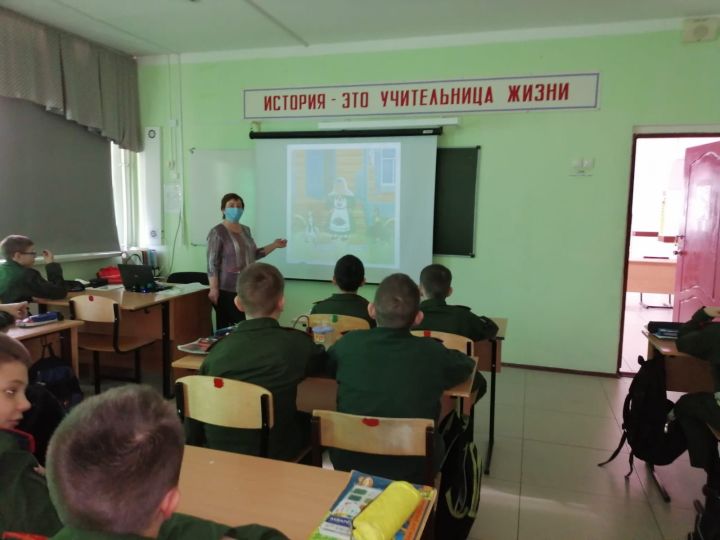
385, 515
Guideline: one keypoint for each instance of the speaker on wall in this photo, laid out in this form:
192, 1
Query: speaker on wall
695, 30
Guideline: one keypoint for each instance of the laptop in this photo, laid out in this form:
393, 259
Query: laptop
139, 278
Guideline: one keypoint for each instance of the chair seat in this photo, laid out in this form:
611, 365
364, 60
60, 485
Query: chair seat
190, 362
104, 342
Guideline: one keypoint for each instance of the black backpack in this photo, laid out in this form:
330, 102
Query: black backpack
459, 495
645, 425
56, 374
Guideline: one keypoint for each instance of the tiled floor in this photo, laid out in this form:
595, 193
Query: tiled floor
551, 431
636, 317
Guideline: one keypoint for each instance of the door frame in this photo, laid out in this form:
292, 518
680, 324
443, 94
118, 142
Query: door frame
640, 134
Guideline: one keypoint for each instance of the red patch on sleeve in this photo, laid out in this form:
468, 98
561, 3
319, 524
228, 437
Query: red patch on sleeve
426, 333
91, 298
218, 382
372, 422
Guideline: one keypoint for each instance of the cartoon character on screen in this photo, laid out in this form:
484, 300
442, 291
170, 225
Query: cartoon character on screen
340, 198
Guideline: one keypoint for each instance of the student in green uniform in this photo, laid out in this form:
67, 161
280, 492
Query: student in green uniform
435, 287
25, 505
19, 281
261, 352
113, 468
349, 276
386, 371
700, 337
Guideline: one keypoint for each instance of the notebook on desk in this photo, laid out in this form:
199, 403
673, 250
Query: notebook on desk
664, 329
139, 278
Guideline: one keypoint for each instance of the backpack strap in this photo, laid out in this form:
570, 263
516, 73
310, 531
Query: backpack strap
617, 450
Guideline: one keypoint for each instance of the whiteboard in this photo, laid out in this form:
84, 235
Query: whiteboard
212, 174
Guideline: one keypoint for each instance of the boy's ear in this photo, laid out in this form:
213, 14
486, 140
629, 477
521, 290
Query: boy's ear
419, 316
238, 303
169, 503
16, 256
334, 281
281, 304
371, 310
450, 290
422, 291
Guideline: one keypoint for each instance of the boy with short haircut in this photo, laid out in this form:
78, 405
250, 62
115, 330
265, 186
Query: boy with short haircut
113, 469
348, 276
435, 287
25, 505
259, 351
19, 281
388, 372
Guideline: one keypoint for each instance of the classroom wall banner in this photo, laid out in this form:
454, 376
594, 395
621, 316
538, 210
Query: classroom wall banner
542, 92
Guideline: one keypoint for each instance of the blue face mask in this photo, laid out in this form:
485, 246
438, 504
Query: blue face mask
233, 215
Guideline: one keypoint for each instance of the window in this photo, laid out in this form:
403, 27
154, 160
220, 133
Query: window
124, 167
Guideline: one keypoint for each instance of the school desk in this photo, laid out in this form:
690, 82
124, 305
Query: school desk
67, 331
177, 315
236, 489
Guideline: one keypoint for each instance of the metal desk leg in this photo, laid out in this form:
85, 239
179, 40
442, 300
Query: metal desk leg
663, 492
491, 441
166, 356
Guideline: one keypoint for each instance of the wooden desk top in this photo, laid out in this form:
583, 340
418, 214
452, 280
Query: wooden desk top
43, 330
133, 301
236, 489
667, 347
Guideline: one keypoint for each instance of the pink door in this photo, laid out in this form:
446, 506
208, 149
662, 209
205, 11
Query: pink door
698, 271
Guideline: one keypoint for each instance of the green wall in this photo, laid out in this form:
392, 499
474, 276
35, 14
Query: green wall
550, 245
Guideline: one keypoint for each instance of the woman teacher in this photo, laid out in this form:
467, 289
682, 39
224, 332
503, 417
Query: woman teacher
230, 249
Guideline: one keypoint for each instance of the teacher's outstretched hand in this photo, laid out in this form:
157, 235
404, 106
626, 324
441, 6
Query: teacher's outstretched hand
231, 249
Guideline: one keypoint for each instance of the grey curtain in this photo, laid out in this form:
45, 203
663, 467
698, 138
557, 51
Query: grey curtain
89, 84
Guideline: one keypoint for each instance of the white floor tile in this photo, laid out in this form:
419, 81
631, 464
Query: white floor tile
571, 468
507, 457
498, 513
552, 514
571, 429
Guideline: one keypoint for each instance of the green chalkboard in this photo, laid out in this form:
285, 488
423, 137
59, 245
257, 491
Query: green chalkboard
455, 188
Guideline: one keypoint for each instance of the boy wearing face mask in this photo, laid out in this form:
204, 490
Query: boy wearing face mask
230, 250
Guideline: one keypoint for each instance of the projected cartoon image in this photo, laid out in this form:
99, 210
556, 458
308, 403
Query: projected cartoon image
343, 198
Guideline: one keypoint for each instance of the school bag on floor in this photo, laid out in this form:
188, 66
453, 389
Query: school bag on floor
459, 494
57, 375
645, 425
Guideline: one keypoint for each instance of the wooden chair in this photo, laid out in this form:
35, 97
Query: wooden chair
100, 309
370, 435
341, 325
226, 403
451, 341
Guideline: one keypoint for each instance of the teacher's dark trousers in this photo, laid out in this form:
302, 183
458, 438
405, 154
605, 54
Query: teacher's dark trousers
226, 312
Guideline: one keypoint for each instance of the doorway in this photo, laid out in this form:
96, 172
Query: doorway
655, 211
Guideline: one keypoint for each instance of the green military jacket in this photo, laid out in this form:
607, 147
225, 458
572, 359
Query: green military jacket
350, 304
389, 372
441, 317
261, 352
181, 527
700, 337
18, 283
25, 504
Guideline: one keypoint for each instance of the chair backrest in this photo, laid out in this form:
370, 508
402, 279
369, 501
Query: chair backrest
451, 341
226, 403
374, 435
341, 325
189, 277
93, 308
